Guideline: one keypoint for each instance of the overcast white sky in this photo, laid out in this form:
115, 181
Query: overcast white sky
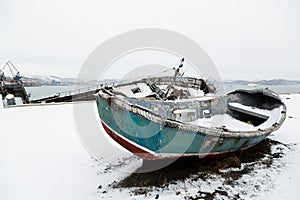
246, 39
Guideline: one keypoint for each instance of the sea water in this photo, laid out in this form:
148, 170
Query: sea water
46, 91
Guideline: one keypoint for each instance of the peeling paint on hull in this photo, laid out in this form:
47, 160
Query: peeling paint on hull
151, 138
150, 155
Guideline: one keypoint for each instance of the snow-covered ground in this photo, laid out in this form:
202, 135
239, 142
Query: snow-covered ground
42, 157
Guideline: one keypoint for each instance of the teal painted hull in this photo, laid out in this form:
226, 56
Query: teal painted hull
153, 140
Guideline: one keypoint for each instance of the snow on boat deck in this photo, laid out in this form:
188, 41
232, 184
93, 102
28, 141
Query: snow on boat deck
233, 124
255, 111
42, 158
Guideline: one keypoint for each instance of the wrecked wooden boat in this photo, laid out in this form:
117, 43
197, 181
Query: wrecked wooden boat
170, 117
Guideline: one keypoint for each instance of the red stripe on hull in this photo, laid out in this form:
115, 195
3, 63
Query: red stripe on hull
127, 145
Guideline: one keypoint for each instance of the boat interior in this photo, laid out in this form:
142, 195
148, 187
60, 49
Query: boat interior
163, 88
187, 102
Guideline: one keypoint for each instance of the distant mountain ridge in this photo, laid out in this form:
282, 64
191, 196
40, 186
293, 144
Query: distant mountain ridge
264, 82
44, 78
55, 80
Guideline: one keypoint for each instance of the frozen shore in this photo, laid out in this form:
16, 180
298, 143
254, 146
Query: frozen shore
42, 158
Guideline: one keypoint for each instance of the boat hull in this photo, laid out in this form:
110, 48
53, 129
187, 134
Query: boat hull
153, 140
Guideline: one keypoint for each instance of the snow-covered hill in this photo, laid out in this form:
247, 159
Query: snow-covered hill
264, 82
55, 80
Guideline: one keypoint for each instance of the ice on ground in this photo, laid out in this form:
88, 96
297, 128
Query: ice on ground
42, 158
